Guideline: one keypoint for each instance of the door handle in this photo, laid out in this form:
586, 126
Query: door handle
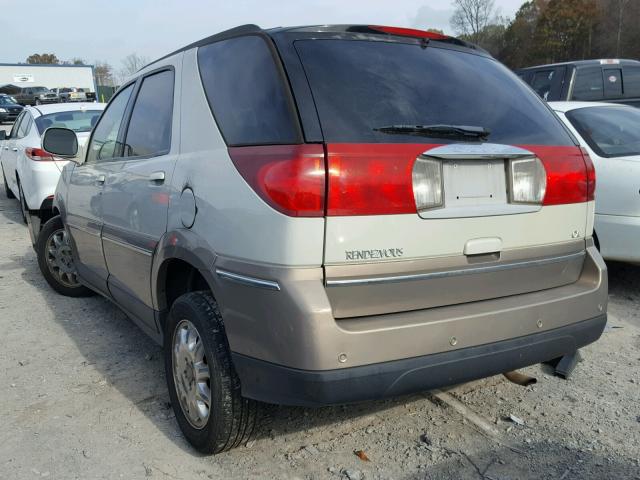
14, 149
6, 148
157, 177
100, 180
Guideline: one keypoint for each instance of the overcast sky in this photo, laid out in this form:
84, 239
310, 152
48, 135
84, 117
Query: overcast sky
109, 30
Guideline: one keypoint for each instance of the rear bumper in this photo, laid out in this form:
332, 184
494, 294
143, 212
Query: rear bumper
272, 383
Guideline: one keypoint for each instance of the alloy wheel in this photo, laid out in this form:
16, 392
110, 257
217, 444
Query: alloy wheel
191, 374
60, 259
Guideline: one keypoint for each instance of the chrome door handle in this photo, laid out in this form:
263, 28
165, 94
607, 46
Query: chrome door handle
100, 180
14, 149
157, 177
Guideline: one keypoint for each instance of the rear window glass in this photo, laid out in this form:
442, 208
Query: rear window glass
362, 85
631, 76
542, 83
246, 92
609, 131
588, 84
613, 83
78, 121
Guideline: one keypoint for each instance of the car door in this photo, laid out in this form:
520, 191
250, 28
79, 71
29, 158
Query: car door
136, 194
10, 152
83, 214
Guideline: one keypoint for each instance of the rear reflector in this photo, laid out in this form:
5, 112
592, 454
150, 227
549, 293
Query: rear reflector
38, 154
409, 32
290, 178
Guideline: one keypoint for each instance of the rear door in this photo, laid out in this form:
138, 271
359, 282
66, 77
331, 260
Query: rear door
84, 198
10, 154
419, 221
135, 200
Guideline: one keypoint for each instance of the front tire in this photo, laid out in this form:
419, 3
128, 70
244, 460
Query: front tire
56, 261
203, 385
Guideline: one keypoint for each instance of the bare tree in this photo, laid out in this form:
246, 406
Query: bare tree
471, 17
132, 63
621, 6
104, 74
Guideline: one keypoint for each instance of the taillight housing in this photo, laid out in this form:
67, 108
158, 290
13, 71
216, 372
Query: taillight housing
427, 183
527, 181
38, 154
289, 178
591, 175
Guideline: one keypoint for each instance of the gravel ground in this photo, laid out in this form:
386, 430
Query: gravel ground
83, 396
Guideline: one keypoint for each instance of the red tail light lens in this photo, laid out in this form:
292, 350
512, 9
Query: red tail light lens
290, 178
409, 32
38, 154
371, 179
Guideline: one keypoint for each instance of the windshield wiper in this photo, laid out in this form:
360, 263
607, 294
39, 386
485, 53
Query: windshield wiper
440, 130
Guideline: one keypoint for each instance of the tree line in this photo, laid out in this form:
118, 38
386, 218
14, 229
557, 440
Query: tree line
550, 31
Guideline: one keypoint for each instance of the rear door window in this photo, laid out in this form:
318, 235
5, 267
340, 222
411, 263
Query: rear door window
631, 76
612, 82
149, 132
588, 84
359, 86
247, 92
542, 83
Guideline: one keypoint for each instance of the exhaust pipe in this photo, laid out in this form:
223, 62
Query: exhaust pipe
520, 378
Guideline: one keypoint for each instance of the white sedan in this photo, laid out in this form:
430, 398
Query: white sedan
30, 173
611, 134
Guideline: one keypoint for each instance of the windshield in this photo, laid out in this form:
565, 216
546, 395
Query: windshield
78, 121
6, 101
361, 85
609, 131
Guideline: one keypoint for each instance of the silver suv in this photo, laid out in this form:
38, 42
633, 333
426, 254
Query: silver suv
326, 215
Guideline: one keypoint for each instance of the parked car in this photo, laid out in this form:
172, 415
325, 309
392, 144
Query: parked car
9, 109
31, 174
71, 95
340, 213
611, 135
36, 96
610, 80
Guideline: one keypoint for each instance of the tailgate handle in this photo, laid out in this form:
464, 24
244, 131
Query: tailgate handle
480, 246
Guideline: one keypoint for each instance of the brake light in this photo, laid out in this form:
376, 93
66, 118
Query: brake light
409, 32
38, 154
591, 175
290, 178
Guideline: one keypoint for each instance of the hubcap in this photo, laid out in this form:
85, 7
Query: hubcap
60, 260
191, 374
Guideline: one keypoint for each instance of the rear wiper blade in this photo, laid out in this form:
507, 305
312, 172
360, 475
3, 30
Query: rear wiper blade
440, 130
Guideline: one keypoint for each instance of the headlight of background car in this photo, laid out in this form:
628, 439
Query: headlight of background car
3, 110
528, 181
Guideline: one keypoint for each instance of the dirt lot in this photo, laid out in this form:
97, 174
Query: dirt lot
83, 396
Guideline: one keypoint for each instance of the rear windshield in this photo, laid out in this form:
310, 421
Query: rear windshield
78, 121
362, 85
609, 131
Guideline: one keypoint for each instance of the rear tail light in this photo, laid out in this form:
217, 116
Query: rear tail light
290, 178
528, 181
566, 175
38, 154
427, 183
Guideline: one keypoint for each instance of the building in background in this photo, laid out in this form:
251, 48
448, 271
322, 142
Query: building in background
50, 76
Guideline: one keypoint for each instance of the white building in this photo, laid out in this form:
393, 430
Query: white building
50, 76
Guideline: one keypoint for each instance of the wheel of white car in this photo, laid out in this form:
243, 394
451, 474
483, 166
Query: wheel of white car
203, 385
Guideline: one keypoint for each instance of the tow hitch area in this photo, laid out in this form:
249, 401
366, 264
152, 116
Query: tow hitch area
563, 366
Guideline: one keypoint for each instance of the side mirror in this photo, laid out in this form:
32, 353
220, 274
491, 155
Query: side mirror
61, 142
3, 135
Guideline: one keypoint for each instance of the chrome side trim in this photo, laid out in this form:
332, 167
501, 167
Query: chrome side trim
128, 246
453, 273
248, 281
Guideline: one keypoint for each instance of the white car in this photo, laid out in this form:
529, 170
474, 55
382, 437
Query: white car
611, 135
30, 173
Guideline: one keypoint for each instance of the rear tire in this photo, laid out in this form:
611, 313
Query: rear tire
7, 190
55, 260
198, 366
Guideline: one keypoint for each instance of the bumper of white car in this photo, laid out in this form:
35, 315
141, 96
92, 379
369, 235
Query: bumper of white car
619, 237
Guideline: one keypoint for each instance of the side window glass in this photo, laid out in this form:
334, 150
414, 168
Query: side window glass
542, 83
16, 125
247, 112
588, 84
613, 83
149, 132
24, 125
631, 76
104, 140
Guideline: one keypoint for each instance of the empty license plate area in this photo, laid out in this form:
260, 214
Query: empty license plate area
474, 183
